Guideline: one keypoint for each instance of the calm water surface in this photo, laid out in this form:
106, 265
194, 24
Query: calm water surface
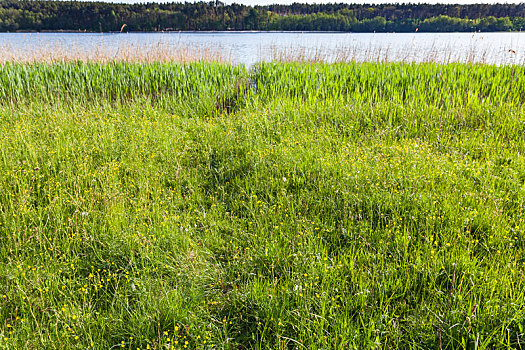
250, 47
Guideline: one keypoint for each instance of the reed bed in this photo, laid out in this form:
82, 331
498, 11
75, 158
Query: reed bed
80, 82
407, 84
289, 206
61, 52
408, 53
118, 49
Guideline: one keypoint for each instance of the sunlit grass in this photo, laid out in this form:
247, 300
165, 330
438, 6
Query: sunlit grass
293, 206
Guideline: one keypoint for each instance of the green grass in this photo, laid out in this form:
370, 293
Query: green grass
295, 206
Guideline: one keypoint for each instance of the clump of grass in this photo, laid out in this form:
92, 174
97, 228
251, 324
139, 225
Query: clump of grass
295, 206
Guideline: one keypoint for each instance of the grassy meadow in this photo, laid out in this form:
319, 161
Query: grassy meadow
290, 206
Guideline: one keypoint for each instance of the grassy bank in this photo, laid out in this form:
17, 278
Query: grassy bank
294, 206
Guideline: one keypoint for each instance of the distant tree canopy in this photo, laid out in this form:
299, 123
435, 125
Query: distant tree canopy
41, 15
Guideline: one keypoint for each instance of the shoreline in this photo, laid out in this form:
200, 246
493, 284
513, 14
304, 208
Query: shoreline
61, 31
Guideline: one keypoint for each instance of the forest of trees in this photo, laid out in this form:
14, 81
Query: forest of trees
41, 15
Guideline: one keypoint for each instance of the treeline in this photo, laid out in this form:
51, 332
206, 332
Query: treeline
442, 23
40, 15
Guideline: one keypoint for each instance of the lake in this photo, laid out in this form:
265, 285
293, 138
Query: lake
250, 47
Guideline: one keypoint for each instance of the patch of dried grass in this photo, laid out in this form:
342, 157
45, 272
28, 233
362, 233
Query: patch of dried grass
159, 52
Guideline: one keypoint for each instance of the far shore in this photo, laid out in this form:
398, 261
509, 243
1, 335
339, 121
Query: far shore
62, 31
